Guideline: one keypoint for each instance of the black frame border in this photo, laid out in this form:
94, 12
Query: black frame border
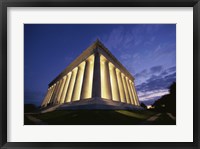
100, 3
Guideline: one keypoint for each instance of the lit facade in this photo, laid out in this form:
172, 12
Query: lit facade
95, 75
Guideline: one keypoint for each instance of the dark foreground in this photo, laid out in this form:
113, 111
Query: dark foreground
100, 117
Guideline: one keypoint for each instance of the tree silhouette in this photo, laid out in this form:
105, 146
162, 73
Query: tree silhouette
167, 103
143, 105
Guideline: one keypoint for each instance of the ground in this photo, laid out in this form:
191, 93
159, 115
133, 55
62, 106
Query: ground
100, 117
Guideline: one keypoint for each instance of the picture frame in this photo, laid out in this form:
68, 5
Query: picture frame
89, 3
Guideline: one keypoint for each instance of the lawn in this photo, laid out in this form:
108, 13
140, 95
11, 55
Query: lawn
164, 119
92, 117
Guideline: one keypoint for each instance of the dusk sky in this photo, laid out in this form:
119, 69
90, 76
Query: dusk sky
148, 51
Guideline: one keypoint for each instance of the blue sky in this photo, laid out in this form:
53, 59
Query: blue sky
148, 51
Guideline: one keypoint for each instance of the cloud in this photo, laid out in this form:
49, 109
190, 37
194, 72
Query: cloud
138, 45
150, 95
122, 39
143, 73
155, 86
165, 49
172, 69
168, 71
156, 69
164, 73
147, 73
125, 56
157, 82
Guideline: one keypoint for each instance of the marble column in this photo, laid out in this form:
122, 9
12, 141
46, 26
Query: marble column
55, 91
135, 93
71, 85
134, 98
56, 97
120, 85
46, 97
106, 92
129, 90
66, 85
86, 91
50, 97
114, 84
78, 83
61, 88
125, 88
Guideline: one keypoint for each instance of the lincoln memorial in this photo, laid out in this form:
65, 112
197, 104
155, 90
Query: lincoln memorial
95, 79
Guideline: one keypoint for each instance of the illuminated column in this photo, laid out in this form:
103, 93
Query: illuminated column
54, 93
86, 91
46, 97
54, 87
132, 94
56, 97
50, 97
120, 85
125, 88
114, 85
78, 83
96, 90
71, 85
129, 90
135, 94
134, 98
62, 100
61, 89
105, 79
